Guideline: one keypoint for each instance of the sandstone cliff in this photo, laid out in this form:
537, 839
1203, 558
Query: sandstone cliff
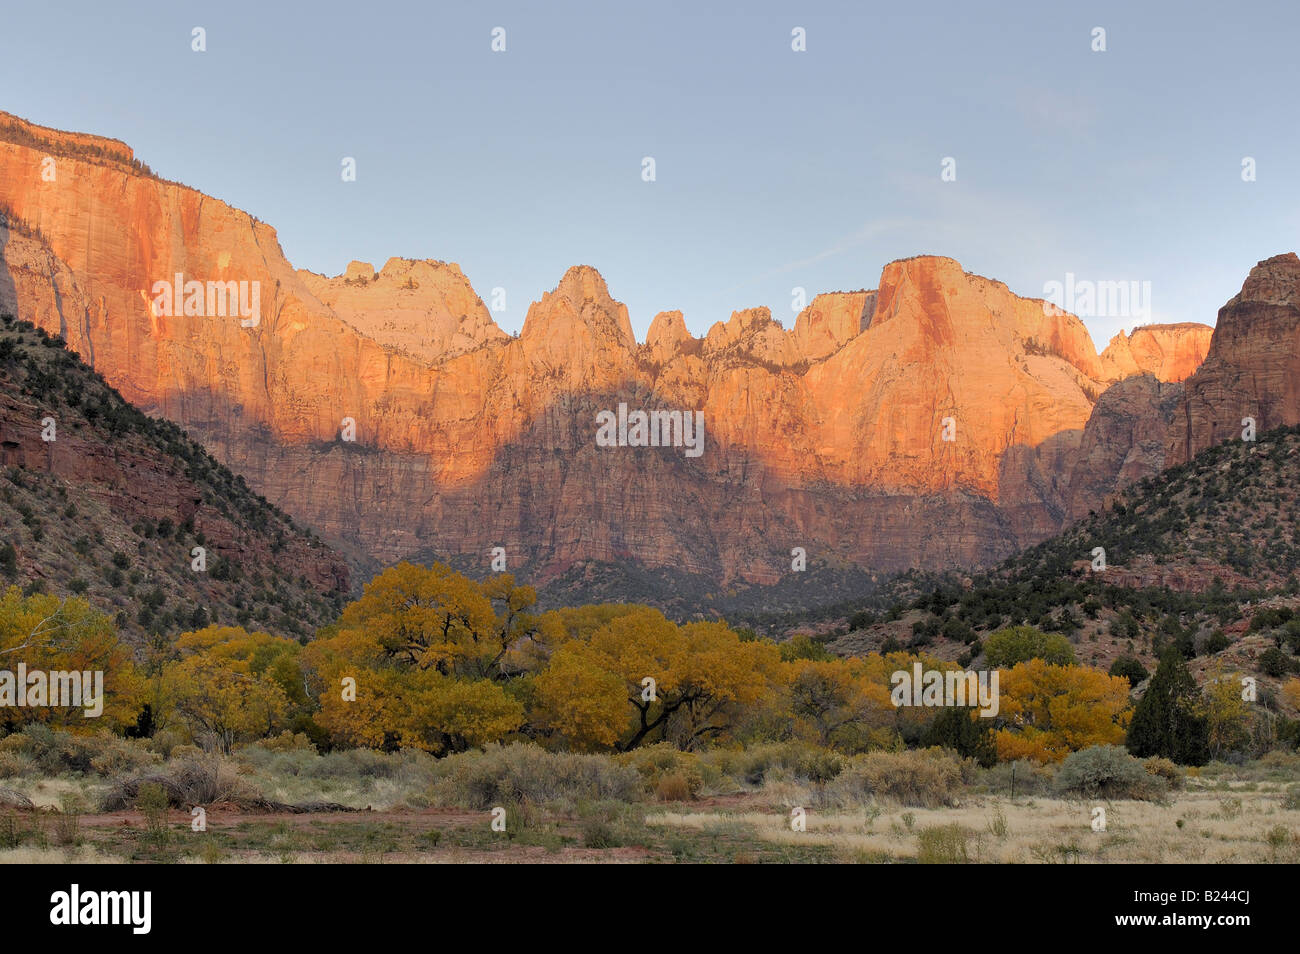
1252, 368
1170, 352
830, 436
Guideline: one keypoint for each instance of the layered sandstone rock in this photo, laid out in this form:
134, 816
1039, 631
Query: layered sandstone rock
426, 309
1170, 352
829, 436
1252, 369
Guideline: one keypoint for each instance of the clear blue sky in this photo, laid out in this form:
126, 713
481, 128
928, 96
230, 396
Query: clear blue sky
775, 169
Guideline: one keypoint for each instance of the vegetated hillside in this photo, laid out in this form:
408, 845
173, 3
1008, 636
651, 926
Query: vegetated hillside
684, 596
112, 508
1204, 555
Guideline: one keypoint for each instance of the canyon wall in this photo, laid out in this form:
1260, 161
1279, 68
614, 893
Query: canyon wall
831, 436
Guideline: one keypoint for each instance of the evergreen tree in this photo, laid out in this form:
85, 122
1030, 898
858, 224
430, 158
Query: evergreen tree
1168, 720
960, 729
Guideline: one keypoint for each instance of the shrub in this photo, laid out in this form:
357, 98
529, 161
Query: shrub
183, 784
14, 764
1165, 769
942, 845
1107, 771
799, 760
527, 772
673, 788
1130, 668
657, 764
152, 801
288, 741
1275, 663
597, 833
1018, 644
1217, 642
920, 778
58, 752
1020, 778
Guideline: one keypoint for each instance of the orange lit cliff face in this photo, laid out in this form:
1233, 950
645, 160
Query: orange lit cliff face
829, 436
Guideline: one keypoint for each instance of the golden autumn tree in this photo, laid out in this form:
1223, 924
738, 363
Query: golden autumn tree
434, 618
840, 703
275, 657
1228, 716
1048, 711
423, 658
909, 721
415, 708
227, 685
621, 686
222, 702
1291, 692
46, 633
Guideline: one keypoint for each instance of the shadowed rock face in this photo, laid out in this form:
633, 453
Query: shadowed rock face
1252, 368
829, 436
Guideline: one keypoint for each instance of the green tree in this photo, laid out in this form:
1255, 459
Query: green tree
1168, 720
960, 728
1131, 668
1017, 644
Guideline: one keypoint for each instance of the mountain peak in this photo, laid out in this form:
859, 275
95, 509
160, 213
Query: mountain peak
580, 307
422, 307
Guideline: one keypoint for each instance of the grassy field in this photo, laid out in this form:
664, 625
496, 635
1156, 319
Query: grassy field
288, 804
1200, 826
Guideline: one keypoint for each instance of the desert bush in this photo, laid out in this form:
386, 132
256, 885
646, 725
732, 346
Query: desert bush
942, 845
15, 764
927, 778
666, 769
598, 833
1165, 769
288, 741
185, 783
11, 833
58, 752
673, 788
1107, 771
1280, 763
499, 774
795, 760
152, 800
342, 764
67, 824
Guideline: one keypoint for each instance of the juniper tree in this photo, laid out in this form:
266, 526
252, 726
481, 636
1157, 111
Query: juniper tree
1168, 721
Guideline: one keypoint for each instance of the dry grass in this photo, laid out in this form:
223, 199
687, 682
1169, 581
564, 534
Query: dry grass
1214, 830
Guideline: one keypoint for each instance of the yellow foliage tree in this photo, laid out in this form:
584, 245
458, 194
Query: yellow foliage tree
220, 701
1228, 716
434, 618
699, 673
1049, 711
412, 708
46, 633
1291, 692
840, 703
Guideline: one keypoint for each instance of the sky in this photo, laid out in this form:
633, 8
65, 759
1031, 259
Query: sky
774, 169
